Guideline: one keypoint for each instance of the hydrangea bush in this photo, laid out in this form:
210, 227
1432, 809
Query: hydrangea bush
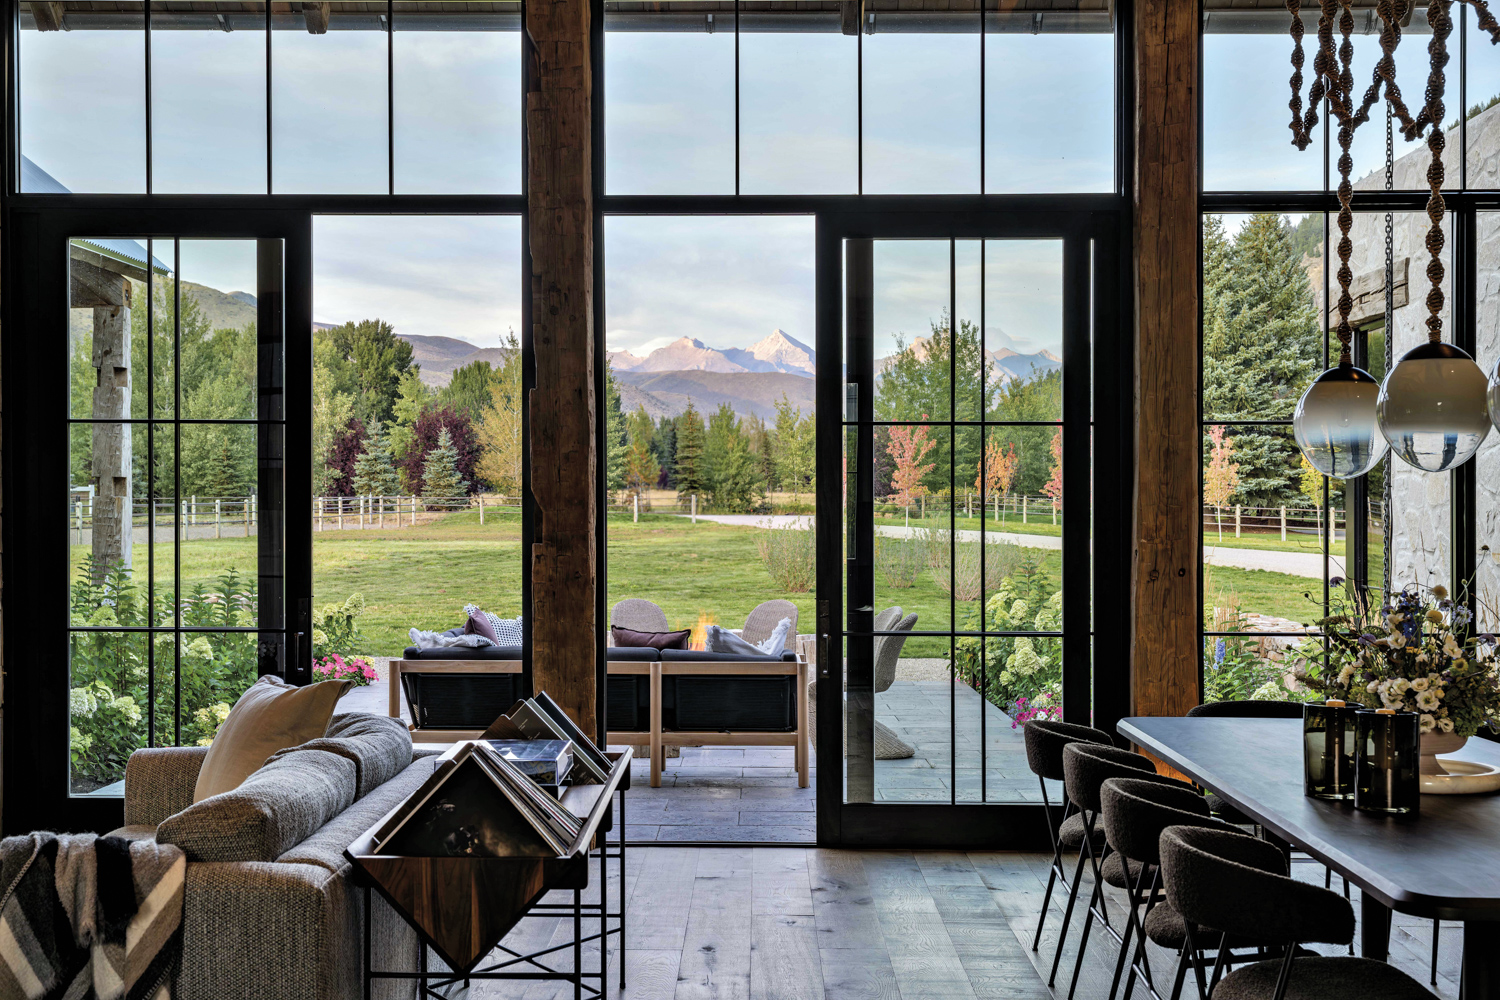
1021, 675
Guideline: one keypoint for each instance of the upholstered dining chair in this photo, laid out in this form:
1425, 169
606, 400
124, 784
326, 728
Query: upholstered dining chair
639, 615
1238, 886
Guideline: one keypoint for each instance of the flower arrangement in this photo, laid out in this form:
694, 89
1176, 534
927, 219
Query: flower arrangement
335, 668
1416, 656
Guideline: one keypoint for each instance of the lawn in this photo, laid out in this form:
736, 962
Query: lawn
423, 576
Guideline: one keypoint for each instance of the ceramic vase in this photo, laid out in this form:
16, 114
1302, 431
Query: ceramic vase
1434, 743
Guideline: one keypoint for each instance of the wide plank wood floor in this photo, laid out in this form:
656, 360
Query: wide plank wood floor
803, 923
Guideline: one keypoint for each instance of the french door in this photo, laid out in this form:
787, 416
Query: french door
154, 366
964, 583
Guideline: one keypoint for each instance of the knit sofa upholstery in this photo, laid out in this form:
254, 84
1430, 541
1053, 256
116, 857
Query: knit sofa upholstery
288, 927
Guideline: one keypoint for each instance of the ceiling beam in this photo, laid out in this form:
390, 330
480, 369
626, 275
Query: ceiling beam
48, 15
315, 13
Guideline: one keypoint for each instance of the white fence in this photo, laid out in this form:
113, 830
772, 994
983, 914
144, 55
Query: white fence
1236, 520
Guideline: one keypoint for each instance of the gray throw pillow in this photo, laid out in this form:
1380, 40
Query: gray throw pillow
379, 746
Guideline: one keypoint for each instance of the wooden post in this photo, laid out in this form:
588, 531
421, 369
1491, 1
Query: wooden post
1237, 509
218, 518
636, 499
481, 510
564, 460
1283, 522
1164, 639
108, 294
695, 508
1025, 507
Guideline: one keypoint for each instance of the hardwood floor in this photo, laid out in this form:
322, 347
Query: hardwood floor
803, 923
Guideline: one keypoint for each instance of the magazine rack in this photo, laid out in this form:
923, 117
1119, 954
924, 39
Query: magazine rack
461, 907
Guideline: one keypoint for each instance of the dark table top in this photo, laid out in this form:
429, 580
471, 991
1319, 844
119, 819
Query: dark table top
1444, 862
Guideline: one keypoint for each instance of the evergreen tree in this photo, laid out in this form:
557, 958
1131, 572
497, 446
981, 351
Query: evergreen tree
440, 477
664, 450
728, 467
1262, 345
374, 472
614, 432
641, 470
688, 463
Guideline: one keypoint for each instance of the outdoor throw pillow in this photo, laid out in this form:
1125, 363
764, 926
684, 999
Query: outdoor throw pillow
627, 637
507, 630
721, 640
480, 625
271, 715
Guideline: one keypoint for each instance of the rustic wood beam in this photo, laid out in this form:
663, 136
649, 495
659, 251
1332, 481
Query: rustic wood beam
315, 13
48, 15
564, 461
93, 287
1165, 637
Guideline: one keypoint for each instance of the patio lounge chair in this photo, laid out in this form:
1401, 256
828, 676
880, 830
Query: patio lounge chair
639, 615
760, 623
888, 746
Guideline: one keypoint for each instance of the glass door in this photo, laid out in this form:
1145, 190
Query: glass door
967, 563
158, 543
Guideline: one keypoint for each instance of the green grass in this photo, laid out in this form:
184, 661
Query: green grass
423, 576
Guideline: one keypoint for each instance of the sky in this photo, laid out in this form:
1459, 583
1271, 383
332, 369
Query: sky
670, 128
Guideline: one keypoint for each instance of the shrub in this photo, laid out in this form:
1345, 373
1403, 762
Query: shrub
1236, 669
790, 555
336, 628
900, 560
1007, 669
999, 560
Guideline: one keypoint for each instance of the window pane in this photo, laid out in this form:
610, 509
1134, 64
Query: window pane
1060, 137
107, 707
208, 100
458, 98
82, 98
1247, 145
921, 103
1412, 67
799, 102
1483, 120
219, 352
1487, 461
107, 492
669, 84
913, 345
1023, 328
329, 96
1262, 337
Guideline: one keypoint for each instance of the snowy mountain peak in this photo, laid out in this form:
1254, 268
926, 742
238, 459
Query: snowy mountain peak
783, 352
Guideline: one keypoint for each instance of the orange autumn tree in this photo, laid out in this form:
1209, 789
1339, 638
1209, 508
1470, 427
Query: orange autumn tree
1222, 477
998, 470
1053, 486
907, 448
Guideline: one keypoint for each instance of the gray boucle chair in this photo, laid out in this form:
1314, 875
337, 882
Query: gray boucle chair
888, 746
760, 623
1237, 885
639, 615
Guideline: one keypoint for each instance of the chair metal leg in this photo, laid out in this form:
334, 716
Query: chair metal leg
1056, 874
1062, 935
1131, 925
1436, 928
1083, 942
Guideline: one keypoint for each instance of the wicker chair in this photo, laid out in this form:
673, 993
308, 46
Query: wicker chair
760, 623
639, 615
888, 746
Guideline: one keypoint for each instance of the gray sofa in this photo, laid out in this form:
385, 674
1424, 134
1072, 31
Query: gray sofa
271, 910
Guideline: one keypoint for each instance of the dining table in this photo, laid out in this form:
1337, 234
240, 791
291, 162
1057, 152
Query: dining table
1442, 862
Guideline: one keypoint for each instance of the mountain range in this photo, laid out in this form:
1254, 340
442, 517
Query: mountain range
779, 352
1005, 364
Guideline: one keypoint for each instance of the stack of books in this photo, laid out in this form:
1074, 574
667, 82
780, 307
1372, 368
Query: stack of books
480, 804
541, 718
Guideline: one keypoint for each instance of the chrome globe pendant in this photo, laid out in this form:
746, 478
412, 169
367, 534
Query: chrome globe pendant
1335, 423
1433, 407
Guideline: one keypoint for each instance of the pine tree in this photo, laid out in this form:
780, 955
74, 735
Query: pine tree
614, 432
688, 464
664, 450
440, 478
1262, 345
641, 469
729, 470
374, 472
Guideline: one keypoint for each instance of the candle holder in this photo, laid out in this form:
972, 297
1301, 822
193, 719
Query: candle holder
1328, 745
1387, 779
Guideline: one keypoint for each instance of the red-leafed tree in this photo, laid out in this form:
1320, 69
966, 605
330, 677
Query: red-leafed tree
999, 471
909, 445
425, 433
345, 451
1053, 485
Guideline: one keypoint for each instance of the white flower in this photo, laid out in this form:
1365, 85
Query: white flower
1451, 647
1446, 725
1345, 675
1372, 687
1428, 723
1400, 685
1420, 684
1398, 641
1427, 701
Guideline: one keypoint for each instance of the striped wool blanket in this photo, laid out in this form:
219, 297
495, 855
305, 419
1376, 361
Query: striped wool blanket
89, 918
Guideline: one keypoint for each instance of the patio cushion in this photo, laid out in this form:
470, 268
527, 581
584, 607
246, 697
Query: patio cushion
632, 654
699, 656
463, 653
625, 637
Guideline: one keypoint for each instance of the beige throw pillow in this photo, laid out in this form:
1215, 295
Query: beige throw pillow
271, 715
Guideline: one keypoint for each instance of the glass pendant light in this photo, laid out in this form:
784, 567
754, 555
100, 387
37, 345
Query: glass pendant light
1335, 423
1432, 407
